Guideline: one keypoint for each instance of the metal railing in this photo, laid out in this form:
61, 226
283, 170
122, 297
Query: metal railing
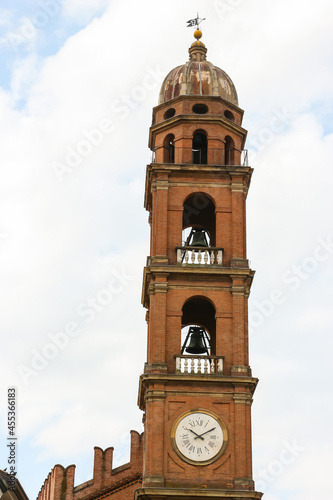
204, 156
199, 364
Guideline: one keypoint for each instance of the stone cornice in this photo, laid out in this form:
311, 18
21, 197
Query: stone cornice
241, 272
234, 174
212, 272
230, 170
169, 380
193, 377
194, 98
155, 493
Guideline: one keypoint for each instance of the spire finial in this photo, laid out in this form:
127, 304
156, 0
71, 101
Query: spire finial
197, 34
197, 50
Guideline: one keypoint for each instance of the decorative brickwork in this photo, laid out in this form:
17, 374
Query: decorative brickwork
119, 483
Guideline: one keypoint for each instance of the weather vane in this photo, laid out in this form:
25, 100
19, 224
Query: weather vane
197, 21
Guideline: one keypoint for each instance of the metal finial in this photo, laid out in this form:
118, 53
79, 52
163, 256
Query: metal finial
195, 22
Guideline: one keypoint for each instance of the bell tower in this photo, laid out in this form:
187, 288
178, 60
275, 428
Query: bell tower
197, 387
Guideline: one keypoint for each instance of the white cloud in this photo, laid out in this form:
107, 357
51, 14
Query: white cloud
83, 10
5, 16
24, 74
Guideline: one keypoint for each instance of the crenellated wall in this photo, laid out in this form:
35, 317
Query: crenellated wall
120, 483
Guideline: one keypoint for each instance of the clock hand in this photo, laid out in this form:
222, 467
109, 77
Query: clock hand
210, 430
197, 435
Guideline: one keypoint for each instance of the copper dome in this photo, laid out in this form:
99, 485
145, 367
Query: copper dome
198, 77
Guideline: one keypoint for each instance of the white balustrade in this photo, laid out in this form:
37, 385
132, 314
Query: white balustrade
199, 256
212, 365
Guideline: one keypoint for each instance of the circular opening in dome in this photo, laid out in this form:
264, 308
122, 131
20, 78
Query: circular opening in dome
229, 115
169, 113
200, 109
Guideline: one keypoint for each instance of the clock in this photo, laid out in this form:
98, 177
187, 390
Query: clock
199, 437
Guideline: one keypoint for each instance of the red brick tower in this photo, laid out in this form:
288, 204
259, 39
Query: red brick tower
197, 387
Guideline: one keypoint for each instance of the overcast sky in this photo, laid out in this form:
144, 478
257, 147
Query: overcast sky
78, 81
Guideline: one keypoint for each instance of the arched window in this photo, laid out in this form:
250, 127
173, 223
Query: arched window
229, 151
199, 147
169, 149
198, 327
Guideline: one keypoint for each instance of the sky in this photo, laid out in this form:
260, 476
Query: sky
78, 81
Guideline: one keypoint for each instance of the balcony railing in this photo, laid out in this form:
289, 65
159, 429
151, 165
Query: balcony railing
199, 364
204, 156
199, 255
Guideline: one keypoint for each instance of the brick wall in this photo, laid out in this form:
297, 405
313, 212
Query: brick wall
120, 482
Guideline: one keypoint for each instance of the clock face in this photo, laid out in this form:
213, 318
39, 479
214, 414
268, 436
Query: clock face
199, 437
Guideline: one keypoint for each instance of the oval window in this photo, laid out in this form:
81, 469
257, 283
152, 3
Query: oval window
169, 113
200, 109
229, 115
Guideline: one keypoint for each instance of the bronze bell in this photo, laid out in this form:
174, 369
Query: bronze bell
199, 238
197, 343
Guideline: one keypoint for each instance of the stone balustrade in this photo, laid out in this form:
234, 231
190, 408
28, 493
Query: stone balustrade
205, 256
199, 364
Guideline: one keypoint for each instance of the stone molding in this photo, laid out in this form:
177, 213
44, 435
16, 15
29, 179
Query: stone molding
154, 395
244, 399
158, 288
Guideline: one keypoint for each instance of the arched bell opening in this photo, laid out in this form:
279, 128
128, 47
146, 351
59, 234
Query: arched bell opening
198, 328
199, 147
229, 151
169, 149
199, 221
